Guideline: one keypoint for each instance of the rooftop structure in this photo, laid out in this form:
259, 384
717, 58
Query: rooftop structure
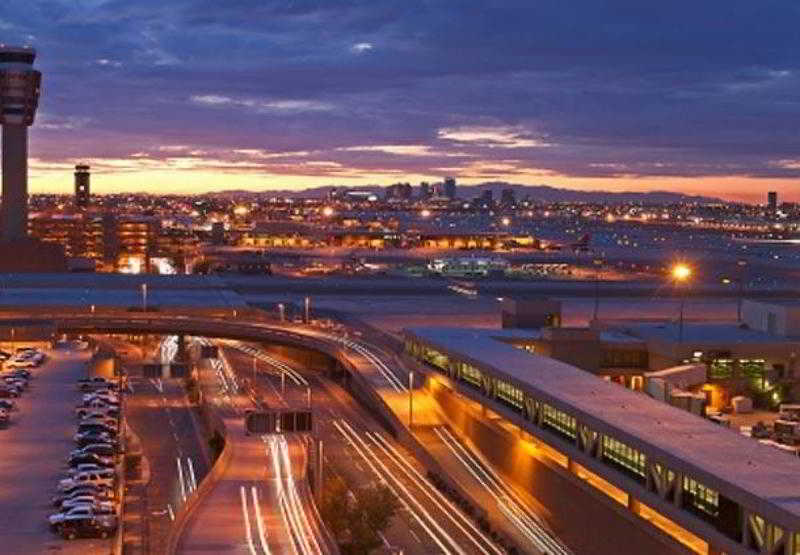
719, 485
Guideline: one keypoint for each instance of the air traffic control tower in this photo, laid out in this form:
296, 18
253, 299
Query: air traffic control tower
19, 98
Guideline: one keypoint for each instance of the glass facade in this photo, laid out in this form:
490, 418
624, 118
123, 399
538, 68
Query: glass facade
558, 420
471, 375
510, 394
720, 369
621, 455
700, 497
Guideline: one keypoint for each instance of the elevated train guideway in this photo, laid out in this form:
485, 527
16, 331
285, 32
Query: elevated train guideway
707, 486
690, 477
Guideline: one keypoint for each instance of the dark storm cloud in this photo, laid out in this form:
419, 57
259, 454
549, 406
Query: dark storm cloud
591, 88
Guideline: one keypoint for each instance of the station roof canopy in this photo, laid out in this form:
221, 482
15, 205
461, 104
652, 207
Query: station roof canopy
717, 456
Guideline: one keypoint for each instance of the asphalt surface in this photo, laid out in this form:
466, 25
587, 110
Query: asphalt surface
241, 513
33, 452
358, 450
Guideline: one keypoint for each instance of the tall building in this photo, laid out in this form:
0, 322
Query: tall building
507, 197
772, 201
450, 187
19, 98
82, 192
398, 191
425, 190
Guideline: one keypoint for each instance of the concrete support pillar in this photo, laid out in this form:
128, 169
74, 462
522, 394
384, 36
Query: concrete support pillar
14, 212
633, 504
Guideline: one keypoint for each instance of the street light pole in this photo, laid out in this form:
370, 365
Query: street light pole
144, 297
741, 264
282, 311
308, 310
410, 399
597, 264
308, 395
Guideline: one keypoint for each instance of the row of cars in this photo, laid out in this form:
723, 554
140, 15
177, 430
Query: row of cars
15, 377
86, 497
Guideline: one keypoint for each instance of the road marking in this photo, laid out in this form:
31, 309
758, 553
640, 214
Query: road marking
180, 478
246, 513
262, 534
192, 479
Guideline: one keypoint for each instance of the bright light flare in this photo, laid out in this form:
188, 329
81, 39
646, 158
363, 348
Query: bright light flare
681, 272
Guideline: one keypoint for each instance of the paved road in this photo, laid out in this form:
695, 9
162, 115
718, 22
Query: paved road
256, 502
358, 450
32, 459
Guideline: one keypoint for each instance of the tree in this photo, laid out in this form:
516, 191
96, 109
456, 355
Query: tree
356, 521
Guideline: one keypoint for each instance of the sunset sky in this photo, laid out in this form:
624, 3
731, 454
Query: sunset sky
200, 95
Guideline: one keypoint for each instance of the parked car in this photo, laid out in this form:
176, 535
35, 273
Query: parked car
106, 397
76, 459
7, 404
88, 438
5, 418
86, 478
102, 506
101, 492
97, 382
97, 412
97, 428
7, 391
91, 467
88, 527
77, 513
99, 448
27, 374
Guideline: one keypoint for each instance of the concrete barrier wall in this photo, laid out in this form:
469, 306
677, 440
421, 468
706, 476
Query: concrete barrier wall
587, 521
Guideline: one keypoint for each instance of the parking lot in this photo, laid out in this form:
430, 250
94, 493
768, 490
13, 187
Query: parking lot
33, 451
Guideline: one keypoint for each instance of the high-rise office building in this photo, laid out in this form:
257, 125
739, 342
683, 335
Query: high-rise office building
772, 201
82, 191
19, 98
507, 197
449, 187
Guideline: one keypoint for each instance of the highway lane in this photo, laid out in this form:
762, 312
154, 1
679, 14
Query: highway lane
159, 412
358, 447
33, 458
260, 504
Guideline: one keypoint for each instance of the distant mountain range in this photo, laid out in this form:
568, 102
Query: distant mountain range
536, 193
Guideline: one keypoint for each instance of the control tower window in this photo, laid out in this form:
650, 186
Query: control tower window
16, 57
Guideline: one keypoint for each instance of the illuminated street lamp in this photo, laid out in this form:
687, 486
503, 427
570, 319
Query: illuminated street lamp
327, 211
506, 221
681, 274
425, 213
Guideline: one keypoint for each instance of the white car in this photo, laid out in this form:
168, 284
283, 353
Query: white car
109, 398
79, 500
86, 478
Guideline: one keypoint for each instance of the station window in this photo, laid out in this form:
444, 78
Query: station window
471, 375
435, 358
558, 420
625, 457
701, 497
510, 395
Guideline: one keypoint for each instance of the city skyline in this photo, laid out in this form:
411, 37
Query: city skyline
196, 97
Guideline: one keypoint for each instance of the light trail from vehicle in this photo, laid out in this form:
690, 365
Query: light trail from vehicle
506, 498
